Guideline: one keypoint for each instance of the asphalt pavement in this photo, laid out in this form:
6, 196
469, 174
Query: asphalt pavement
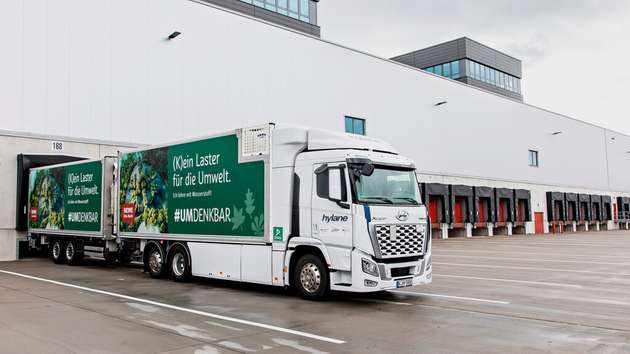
518, 294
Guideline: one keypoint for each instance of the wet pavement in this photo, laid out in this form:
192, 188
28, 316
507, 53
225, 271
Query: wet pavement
559, 294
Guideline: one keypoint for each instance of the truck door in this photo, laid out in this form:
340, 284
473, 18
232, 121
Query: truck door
331, 213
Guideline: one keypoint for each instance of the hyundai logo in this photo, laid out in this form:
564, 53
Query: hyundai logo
402, 215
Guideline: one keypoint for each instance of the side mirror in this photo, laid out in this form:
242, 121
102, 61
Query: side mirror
367, 169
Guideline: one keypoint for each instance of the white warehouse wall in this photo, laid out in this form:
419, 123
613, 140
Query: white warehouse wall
102, 69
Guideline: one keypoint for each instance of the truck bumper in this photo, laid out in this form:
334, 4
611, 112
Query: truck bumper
390, 275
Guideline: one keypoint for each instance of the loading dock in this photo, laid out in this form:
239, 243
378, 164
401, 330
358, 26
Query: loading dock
623, 212
522, 212
483, 213
504, 204
607, 213
571, 202
461, 210
436, 196
584, 212
596, 216
556, 211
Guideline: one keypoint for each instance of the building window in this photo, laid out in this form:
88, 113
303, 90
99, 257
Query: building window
455, 69
355, 125
450, 69
533, 158
491, 76
304, 10
270, 5
282, 7
446, 69
298, 9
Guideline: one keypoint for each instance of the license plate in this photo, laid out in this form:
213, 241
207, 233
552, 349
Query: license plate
402, 283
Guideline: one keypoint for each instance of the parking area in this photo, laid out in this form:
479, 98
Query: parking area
568, 293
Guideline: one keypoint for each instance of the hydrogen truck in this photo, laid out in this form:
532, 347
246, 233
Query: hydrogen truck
285, 206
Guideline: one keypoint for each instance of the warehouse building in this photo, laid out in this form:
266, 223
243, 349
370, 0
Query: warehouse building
470, 62
86, 78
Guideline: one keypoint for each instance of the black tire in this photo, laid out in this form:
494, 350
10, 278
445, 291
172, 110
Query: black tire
57, 251
111, 258
154, 260
310, 277
179, 264
73, 257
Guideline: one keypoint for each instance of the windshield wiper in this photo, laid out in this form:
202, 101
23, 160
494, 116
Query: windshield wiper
383, 199
410, 200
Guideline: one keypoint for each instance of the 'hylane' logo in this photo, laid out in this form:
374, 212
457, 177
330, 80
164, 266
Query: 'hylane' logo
402, 215
334, 218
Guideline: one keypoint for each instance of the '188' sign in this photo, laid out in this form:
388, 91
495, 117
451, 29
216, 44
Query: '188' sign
56, 145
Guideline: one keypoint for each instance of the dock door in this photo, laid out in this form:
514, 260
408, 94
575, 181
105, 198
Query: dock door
523, 210
483, 213
504, 199
436, 197
556, 211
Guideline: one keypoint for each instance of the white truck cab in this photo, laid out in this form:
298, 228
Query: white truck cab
358, 203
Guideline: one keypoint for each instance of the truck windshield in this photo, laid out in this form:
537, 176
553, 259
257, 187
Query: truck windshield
387, 186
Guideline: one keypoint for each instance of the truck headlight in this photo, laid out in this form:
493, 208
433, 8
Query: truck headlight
369, 267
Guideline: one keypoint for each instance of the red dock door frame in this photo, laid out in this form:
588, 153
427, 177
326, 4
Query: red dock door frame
538, 223
571, 212
521, 211
433, 209
502, 210
482, 211
458, 218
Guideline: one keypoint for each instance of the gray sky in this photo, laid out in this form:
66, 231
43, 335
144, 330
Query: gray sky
574, 52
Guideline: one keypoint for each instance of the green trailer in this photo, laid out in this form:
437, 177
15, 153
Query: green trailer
69, 207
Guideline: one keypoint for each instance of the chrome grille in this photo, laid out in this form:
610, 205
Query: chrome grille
400, 240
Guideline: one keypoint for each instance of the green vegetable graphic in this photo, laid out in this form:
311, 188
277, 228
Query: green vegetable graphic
249, 203
143, 184
257, 222
47, 198
237, 217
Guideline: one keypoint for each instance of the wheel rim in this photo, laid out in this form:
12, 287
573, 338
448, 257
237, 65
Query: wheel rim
69, 251
56, 251
310, 277
155, 261
179, 264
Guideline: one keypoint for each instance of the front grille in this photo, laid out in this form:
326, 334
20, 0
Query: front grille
399, 240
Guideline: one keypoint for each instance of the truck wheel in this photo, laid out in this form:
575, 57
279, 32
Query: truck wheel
57, 251
154, 258
310, 277
72, 256
179, 264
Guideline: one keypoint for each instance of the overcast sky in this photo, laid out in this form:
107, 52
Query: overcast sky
574, 52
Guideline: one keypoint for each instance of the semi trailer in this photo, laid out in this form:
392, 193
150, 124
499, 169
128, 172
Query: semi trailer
284, 206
